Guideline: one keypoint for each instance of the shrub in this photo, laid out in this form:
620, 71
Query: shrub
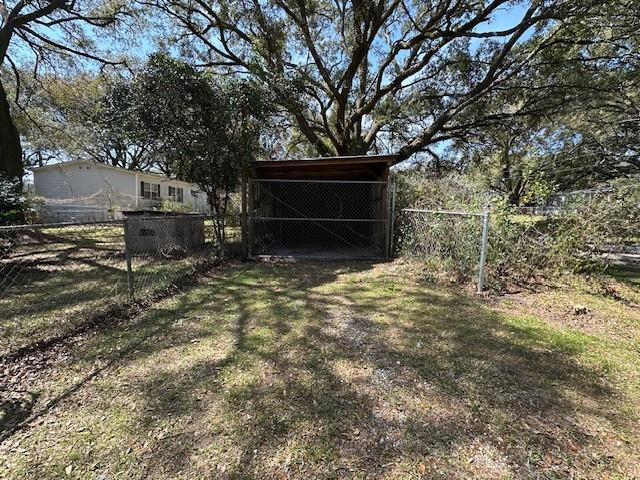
448, 244
573, 241
522, 248
169, 205
451, 192
13, 204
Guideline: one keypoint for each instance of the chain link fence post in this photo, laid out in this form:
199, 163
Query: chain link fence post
483, 249
127, 255
244, 221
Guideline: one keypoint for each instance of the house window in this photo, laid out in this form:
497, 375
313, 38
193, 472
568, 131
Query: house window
176, 194
194, 193
150, 191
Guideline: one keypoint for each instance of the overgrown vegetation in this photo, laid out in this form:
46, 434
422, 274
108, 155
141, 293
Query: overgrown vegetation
523, 248
13, 203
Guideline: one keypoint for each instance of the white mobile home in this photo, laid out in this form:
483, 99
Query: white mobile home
82, 190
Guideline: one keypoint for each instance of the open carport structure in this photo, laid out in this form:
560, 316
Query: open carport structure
321, 208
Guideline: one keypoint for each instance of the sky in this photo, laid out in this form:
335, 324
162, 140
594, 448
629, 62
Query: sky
142, 43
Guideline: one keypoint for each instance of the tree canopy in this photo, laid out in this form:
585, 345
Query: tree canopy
583, 117
365, 76
529, 94
46, 34
201, 128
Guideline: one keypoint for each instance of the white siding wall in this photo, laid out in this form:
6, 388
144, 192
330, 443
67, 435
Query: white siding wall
86, 185
80, 187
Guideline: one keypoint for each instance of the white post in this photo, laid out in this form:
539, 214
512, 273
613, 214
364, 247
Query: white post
483, 248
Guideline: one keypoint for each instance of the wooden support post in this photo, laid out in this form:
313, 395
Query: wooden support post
392, 219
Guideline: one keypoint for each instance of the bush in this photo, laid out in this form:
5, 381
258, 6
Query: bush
13, 204
452, 192
448, 244
169, 205
522, 248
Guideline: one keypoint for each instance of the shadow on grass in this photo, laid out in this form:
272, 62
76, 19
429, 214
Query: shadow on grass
42, 305
48, 275
280, 394
629, 274
49, 292
325, 370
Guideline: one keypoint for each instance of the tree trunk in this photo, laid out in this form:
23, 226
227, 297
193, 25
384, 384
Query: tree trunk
10, 148
515, 196
217, 215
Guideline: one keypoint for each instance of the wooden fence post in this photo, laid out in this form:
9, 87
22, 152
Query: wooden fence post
393, 217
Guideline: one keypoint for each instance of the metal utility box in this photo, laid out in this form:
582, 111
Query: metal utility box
163, 232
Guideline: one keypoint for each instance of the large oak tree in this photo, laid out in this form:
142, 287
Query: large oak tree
581, 126
354, 74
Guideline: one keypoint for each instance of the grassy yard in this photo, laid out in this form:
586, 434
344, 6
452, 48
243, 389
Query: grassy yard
343, 371
56, 278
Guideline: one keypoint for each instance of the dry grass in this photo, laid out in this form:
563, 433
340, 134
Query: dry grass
340, 371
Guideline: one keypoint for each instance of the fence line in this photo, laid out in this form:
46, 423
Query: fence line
320, 219
456, 241
282, 180
54, 277
443, 212
36, 226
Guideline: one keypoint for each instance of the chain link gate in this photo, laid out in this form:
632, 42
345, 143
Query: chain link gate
455, 240
319, 219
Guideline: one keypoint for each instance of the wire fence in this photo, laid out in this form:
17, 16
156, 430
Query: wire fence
448, 241
53, 277
319, 219
592, 233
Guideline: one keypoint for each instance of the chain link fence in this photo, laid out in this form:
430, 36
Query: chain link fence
54, 277
319, 219
448, 241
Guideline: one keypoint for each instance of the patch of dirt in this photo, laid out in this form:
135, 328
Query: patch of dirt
566, 314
